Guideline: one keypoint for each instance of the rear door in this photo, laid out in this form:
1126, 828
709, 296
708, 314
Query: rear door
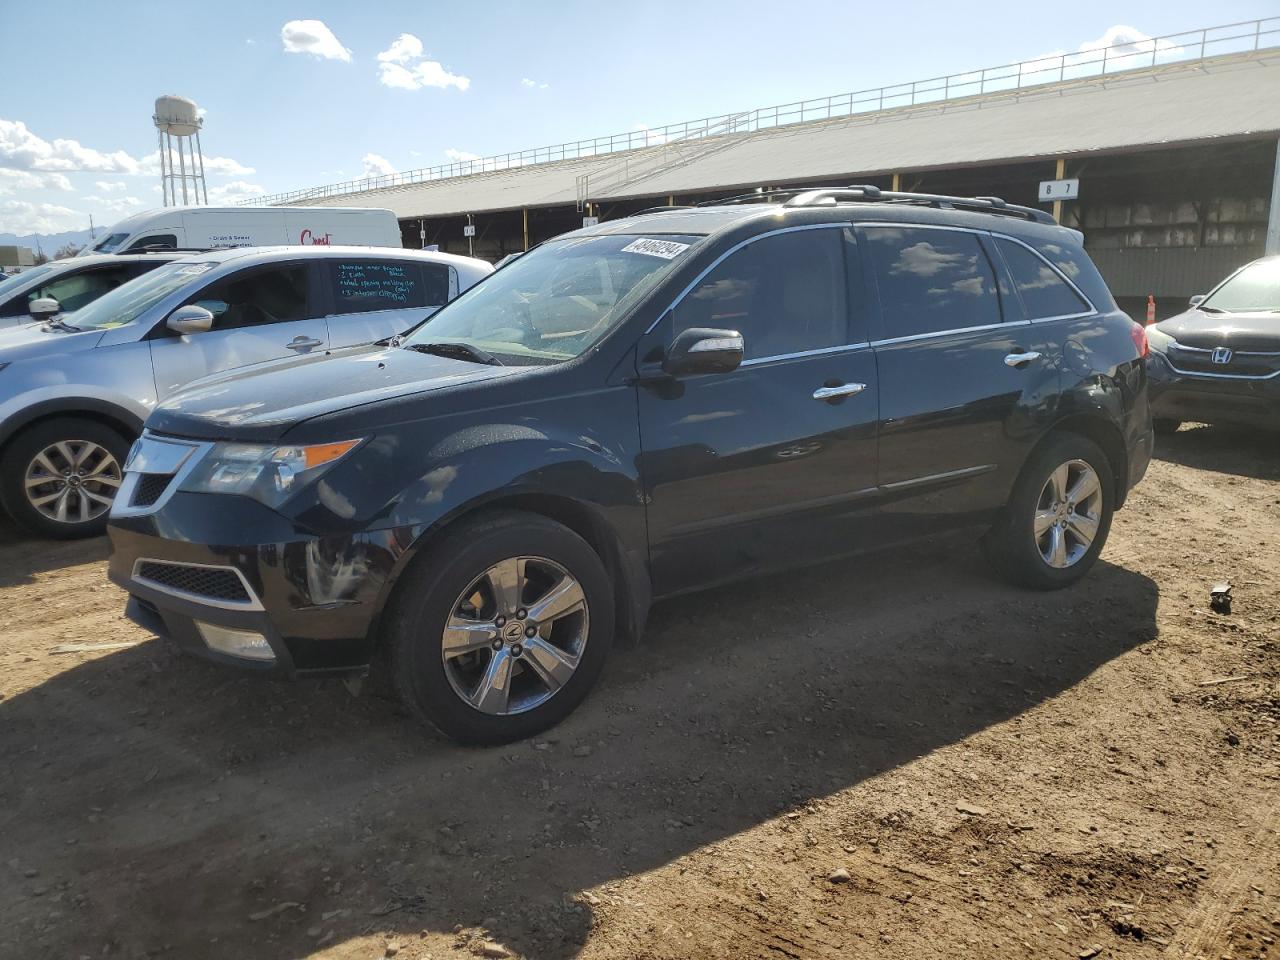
260, 313
775, 461
963, 374
372, 298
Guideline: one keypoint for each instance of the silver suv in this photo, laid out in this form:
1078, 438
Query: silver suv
75, 391
66, 285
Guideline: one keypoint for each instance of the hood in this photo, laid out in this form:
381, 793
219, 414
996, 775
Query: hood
38, 340
1239, 331
261, 403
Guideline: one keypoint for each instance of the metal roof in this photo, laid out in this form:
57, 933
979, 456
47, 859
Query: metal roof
1225, 97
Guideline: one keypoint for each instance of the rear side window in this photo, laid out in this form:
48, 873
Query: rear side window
154, 241
362, 286
254, 298
1043, 292
1079, 269
784, 293
931, 280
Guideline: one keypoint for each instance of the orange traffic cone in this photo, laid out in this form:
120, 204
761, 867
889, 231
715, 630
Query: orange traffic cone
1151, 309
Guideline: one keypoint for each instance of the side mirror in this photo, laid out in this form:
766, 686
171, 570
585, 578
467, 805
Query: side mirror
44, 308
1196, 300
703, 350
189, 319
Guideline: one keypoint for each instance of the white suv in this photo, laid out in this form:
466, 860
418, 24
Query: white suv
75, 391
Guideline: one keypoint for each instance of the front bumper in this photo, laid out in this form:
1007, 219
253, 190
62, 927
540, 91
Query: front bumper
1212, 399
313, 599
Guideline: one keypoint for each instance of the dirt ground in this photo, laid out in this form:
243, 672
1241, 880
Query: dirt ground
892, 757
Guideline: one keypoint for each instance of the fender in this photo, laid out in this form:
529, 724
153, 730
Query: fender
97, 408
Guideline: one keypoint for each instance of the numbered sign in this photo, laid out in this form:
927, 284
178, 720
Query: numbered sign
469, 230
590, 221
1059, 189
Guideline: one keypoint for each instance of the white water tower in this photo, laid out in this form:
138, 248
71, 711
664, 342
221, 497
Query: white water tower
178, 124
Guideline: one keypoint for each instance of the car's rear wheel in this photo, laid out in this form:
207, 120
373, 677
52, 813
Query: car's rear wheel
500, 629
1058, 516
59, 478
1166, 426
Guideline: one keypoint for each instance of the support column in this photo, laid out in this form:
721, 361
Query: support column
1273, 215
524, 212
897, 183
1059, 173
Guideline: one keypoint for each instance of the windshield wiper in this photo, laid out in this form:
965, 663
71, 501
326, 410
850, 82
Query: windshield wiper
462, 351
57, 324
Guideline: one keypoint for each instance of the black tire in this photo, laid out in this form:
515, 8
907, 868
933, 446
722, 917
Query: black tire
1012, 546
20, 455
426, 598
1166, 426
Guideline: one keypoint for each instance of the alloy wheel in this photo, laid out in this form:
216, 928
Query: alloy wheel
515, 636
1068, 514
72, 481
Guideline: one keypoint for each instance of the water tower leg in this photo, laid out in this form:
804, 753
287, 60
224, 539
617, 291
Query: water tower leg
182, 167
201, 186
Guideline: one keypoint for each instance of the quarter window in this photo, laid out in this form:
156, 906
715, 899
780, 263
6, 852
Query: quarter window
361, 286
931, 280
784, 293
252, 299
1044, 292
154, 241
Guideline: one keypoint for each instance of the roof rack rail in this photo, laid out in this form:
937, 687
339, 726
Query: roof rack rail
662, 209
823, 196
757, 196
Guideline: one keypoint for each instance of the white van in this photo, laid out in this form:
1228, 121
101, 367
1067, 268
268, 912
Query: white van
204, 228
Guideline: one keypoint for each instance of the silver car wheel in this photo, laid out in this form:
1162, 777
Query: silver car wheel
515, 636
1068, 514
72, 481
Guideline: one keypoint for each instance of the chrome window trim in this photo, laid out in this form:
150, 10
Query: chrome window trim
842, 225
1093, 309
801, 354
253, 603
910, 338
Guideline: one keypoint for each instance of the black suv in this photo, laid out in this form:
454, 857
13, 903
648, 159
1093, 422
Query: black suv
630, 411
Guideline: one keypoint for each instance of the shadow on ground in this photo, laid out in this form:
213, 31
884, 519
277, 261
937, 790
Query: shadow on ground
1243, 451
25, 556
165, 803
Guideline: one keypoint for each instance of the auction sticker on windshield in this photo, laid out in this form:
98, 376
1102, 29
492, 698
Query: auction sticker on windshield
194, 269
666, 249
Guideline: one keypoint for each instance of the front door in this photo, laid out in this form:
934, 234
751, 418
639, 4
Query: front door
961, 374
261, 313
774, 462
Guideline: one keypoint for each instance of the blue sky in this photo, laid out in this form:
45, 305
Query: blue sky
299, 105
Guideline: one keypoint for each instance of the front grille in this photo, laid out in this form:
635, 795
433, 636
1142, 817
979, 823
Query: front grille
150, 487
212, 583
1243, 363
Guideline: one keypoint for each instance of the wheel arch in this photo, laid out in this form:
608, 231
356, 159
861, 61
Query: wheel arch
1106, 435
114, 417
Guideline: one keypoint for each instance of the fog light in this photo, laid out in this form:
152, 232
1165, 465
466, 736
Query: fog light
237, 643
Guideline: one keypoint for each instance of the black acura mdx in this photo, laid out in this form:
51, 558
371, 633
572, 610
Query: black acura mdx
631, 411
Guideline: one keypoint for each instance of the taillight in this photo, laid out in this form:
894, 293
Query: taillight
1139, 334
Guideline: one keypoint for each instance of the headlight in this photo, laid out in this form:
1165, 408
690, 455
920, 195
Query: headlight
1159, 341
268, 474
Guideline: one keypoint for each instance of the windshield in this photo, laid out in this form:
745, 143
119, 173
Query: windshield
128, 301
10, 284
109, 242
557, 300
1256, 287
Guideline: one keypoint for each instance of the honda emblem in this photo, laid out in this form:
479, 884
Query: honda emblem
1222, 355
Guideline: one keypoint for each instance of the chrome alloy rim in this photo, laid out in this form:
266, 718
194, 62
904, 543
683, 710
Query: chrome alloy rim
72, 481
515, 636
1068, 513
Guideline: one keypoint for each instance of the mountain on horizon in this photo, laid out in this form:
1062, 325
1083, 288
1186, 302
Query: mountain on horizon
48, 242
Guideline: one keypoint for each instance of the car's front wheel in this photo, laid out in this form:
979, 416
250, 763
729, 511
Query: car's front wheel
59, 478
499, 630
1058, 516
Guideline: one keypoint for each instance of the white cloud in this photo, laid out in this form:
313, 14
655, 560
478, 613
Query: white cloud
376, 166
12, 180
404, 48
313, 37
532, 84
109, 186
234, 192
21, 217
403, 67
221, 166
1129, 40
115, 204
24, 150
460, 156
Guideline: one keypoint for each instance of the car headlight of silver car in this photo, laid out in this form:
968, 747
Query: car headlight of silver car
268, 473
1160, 342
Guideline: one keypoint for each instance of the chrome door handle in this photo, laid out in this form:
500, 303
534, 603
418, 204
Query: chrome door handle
304, 343
1018, 359
844, 390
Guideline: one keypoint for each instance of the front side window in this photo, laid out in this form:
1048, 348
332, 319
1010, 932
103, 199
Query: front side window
558, 299
784, 293
1256, 288
931, 280
252, 298
362, 286
1044, 293
154, 241
109, 243
127, 302
81, 289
